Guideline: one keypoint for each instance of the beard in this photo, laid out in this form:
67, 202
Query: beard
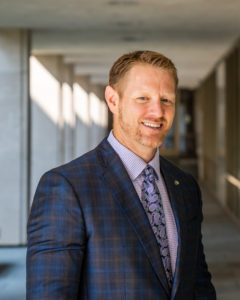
135, 133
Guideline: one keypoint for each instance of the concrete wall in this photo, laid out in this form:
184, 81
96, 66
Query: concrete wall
218, 102
207, 105
14, 137
233, 131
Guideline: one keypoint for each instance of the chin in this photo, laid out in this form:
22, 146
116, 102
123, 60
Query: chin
151, 143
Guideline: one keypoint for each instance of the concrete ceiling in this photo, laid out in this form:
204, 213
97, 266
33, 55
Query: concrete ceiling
91, 34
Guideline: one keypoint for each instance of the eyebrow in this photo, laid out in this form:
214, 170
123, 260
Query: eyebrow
141, 92
169, 95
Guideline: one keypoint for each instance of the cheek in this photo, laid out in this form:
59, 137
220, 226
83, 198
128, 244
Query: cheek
133, 112
138, 111
171, 114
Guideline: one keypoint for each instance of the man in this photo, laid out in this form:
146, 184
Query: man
121, 222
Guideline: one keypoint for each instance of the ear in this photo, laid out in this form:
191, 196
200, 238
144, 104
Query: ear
112, 98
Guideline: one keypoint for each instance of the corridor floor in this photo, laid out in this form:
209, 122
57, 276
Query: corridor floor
222, 248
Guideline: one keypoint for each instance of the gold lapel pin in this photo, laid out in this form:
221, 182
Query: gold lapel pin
176, 182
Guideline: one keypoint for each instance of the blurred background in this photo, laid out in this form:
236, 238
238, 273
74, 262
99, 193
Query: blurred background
54, 61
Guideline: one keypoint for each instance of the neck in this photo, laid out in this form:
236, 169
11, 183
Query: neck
148, 157
144, 152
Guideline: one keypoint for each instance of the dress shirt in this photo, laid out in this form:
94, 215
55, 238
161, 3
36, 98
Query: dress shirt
134, 166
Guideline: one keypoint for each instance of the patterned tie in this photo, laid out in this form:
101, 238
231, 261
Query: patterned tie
152, 204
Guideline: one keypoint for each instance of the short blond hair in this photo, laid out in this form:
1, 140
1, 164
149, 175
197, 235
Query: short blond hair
124, 63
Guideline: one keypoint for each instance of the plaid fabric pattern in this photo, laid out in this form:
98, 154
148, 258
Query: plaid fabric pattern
89, 237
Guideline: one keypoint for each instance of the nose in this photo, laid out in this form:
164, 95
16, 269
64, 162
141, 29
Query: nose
157, 108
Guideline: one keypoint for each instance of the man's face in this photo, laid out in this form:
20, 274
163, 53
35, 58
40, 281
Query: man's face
144, 113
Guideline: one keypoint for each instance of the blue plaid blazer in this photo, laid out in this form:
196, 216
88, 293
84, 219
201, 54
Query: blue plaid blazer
89, 236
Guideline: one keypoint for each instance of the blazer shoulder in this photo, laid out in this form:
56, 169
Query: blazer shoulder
88, 163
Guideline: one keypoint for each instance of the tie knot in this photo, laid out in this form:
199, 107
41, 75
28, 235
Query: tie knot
150, 173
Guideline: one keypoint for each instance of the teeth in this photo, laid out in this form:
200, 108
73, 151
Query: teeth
152, 125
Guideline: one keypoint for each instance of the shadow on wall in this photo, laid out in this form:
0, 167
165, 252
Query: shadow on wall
68, 115
4, 267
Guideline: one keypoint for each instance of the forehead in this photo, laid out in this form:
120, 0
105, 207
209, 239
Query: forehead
147, 77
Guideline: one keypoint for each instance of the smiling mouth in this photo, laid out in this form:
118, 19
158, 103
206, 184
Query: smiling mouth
152, 125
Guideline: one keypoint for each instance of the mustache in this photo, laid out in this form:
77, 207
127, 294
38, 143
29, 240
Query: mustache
155, 120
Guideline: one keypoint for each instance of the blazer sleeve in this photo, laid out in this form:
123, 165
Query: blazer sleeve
56, 241
204, 289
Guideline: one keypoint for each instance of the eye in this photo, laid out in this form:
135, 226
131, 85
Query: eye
142, 98
167, 101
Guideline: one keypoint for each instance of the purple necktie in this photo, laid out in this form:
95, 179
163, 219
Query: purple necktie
152, 204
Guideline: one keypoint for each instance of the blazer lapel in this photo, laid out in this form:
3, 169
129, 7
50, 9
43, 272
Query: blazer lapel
124, 193
173, 185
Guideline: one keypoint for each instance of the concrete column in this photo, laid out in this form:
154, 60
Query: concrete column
82, 112
91, 114
98, 114
207, 104
198, 112
68, 112
47, 123
14, 136
221, 145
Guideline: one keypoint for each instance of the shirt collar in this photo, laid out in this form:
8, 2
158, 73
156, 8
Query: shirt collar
132, 162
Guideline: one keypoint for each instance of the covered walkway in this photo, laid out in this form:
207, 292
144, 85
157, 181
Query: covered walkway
222, 248
55, 58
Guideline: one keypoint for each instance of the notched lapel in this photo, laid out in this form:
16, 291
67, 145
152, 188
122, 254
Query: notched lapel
123, 191
173, 185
